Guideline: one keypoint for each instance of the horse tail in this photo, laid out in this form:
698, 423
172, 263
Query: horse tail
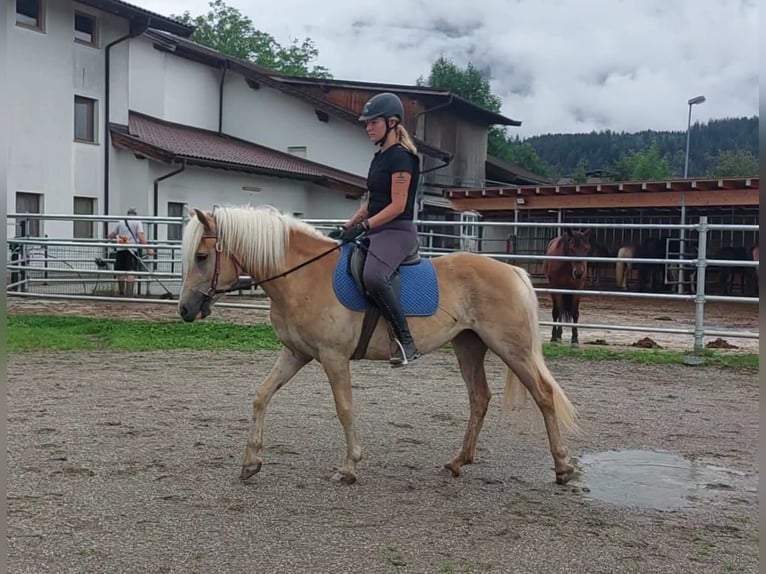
514, 395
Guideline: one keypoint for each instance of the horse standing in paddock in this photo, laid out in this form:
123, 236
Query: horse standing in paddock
727, 273
623, 269
567, 274
481, 304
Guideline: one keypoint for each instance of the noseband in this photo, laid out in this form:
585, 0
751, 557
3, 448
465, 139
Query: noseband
213, 289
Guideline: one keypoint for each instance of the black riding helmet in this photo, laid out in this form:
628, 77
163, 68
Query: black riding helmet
385, 105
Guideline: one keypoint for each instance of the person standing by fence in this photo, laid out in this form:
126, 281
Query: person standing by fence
128, 259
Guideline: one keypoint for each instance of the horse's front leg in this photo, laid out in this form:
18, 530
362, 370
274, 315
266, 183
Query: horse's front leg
575, 318
338, 372
556, 331
287, 365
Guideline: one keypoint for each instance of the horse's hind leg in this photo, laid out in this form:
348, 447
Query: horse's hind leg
287, 365
535, 376
338, 372
470, 351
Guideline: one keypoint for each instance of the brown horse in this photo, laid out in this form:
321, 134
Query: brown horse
567, 274
483, 304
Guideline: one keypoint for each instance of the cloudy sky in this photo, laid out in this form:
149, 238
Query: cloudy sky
558, 65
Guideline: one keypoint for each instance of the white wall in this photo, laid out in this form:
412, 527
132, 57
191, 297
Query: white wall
272, 118
45, 71
172, 88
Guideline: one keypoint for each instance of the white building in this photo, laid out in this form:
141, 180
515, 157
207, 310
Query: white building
90, 138
112, 107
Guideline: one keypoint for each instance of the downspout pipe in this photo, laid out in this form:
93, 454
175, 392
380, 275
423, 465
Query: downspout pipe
136, 28
156, 197
224, 67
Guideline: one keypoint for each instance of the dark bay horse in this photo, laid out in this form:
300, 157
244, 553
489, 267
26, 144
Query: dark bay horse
596, 268
483, 305
650, 275
728, 274
567, 274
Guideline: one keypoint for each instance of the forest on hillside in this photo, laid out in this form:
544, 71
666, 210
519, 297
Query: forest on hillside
718, 148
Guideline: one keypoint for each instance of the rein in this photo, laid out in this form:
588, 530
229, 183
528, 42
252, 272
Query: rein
213, 290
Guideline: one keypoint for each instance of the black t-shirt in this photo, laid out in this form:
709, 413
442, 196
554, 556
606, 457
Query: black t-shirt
396, 158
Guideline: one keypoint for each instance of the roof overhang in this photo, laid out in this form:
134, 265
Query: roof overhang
137, 14
630, 194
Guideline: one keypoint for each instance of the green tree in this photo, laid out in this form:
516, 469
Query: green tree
579, 175
471, 84
468, 83
734, 163
644, 164
226, 29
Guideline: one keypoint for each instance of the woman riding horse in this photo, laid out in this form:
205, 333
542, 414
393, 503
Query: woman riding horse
386, 218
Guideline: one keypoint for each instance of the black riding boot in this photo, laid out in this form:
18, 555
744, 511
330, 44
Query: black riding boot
389, 306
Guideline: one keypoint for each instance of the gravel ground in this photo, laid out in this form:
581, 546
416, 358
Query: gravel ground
130, 463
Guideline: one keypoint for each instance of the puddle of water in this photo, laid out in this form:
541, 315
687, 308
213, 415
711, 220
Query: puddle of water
650, 479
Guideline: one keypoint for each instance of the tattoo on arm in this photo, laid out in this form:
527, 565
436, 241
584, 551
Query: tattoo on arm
400, 178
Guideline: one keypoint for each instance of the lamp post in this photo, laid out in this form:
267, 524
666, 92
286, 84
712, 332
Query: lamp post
697, 100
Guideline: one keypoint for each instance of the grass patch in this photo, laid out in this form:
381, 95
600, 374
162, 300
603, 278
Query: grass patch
652, 356
42, 332
45, 332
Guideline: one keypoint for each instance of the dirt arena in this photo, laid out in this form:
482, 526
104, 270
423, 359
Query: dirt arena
130, 463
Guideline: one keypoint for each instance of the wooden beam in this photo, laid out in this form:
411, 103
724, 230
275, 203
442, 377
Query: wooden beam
732, 197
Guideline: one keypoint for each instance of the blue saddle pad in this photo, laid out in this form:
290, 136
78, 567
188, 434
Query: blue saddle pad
419, 288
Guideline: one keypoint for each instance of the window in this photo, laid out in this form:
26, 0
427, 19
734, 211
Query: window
299, 150
175, 230
28, 203
29, 14
84, 206
84, 29
84, 119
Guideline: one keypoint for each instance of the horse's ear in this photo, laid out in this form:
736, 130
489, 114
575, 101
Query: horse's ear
567, 232
202, 219
586, 234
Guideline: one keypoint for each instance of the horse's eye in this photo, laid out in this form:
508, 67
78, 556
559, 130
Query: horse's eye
201, 257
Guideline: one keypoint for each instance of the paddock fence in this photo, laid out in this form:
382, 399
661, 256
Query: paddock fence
63, 266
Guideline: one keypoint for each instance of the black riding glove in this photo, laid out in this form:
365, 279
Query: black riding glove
351, 233
336, 233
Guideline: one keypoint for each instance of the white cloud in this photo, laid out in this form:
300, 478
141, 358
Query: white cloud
558, 65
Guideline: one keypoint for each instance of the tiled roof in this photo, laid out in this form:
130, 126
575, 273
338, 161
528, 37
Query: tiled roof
168, 141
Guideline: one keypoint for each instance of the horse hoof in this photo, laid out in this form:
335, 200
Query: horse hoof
575, 345
344, 478
453, 468
555, 341
565, 476
250, 471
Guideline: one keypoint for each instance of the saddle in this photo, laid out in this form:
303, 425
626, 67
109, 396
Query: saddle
372, 312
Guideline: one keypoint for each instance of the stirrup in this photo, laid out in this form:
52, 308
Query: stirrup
396, 361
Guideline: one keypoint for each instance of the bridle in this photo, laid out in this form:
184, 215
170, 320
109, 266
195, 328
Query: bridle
213, 290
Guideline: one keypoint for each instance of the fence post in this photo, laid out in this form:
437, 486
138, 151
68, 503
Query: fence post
699, 299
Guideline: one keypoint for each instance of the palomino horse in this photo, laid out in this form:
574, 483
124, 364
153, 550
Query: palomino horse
482, 304
566, 274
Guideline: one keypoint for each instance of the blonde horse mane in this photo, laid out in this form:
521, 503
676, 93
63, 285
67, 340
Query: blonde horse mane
258, 236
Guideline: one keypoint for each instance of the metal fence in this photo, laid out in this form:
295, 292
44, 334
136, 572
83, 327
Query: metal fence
63, 268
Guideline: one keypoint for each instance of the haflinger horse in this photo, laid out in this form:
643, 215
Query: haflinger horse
482, 304
567, 274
